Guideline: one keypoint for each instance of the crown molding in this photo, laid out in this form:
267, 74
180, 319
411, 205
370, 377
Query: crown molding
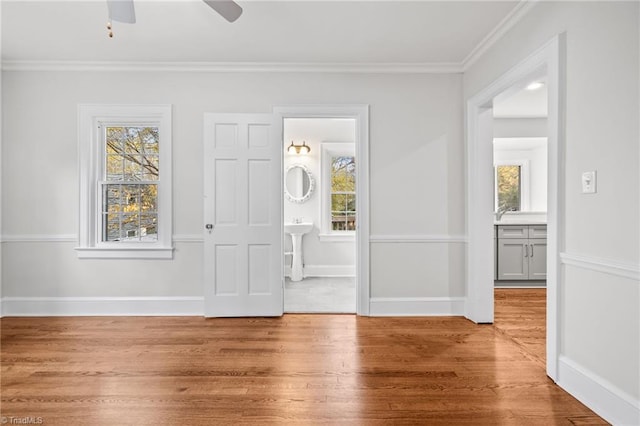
223, 67
509, 21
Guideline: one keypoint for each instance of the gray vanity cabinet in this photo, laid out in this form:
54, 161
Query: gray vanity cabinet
522, 252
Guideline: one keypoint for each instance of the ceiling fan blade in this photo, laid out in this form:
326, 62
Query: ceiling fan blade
229, 9
122, 11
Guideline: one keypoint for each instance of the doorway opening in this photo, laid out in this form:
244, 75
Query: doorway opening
547, 61
520, 154
325, 208
320, 215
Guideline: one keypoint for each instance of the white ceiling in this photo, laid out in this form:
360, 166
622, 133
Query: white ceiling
431, 32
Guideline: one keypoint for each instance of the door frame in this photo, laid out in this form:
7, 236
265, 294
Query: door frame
547, 60
361, 114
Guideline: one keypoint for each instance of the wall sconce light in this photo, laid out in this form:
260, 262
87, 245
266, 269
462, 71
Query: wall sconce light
298, 149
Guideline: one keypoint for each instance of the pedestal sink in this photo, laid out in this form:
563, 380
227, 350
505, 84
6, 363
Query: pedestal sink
297, 230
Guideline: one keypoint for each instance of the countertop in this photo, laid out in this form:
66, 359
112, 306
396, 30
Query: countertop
520, 222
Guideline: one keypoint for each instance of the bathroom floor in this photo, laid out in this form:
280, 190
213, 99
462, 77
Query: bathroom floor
320, 295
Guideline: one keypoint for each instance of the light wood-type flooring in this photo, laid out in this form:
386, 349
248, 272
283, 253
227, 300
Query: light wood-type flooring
298, 369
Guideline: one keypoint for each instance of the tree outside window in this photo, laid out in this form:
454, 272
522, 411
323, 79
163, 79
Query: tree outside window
130, 185
509, 187
343, 193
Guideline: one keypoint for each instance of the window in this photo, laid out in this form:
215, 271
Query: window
508, 187
339, 212
343, 193
511, 192
125, 172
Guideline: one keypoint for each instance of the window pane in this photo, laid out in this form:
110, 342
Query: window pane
338, 202
343, 174
114, 167
111, 199
132, 153
130, 212
150, 167
130, 226
149, 198
111, 227
338, 221
351, 221
148, 227
351, 202
509, 188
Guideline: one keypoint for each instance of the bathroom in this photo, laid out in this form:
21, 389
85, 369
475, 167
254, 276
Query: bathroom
319, 199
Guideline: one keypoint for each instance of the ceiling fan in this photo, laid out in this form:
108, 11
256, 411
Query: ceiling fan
123, 11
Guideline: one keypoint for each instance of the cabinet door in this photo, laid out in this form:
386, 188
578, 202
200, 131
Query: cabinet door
538, 259
513, 261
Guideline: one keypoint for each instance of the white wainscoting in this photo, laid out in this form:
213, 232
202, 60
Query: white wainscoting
417, 306
609, 402
102, 306
71, 238
418, 239
40, 238
607, 266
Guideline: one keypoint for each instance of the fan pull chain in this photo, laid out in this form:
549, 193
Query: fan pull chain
110, 32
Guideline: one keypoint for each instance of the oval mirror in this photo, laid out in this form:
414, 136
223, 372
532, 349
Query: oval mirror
298, 183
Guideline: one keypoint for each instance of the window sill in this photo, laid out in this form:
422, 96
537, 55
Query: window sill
337, 238
125, 253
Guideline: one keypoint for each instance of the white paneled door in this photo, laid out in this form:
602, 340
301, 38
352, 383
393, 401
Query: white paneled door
243, 266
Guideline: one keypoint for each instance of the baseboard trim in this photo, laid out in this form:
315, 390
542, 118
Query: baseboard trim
101, 306
605, 399
417, 306
325, 271
611, 267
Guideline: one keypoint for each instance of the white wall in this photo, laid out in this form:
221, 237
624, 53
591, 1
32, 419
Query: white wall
600, 299
321, 258
416, 158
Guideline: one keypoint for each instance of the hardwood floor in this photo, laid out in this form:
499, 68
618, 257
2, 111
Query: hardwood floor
298, 369
521, 315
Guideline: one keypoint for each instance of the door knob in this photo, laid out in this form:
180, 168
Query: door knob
209, 227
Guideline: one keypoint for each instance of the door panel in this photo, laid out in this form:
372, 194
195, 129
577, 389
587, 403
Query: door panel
243, 202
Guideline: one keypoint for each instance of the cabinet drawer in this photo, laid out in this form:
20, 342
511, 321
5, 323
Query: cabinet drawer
537, 231
513, 231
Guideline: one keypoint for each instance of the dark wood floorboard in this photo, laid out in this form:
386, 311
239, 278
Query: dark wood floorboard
298, 369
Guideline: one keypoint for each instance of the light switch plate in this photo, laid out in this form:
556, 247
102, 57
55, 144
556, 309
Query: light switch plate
589, 182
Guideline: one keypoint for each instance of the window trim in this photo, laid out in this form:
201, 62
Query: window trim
328, 150
90, 119
525, 188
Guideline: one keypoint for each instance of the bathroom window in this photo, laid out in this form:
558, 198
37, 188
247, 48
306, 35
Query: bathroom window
343, 193
339, 212
125, 172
